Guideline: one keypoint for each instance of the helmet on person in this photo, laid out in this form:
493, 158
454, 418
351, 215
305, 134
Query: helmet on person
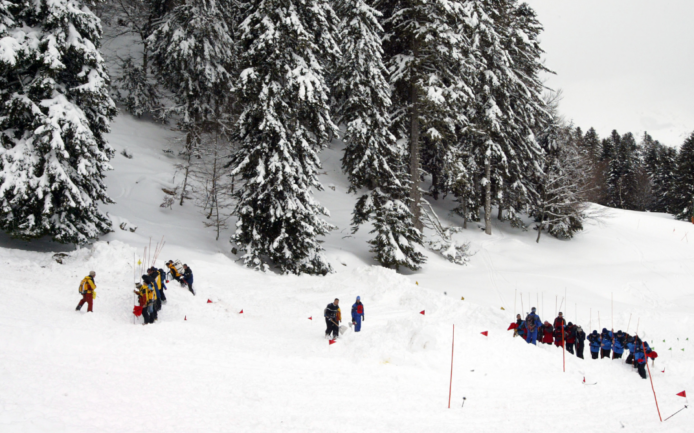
92, 274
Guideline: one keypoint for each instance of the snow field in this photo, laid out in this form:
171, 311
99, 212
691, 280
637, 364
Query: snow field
270, 369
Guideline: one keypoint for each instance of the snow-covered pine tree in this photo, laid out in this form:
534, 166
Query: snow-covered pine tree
427, 55
135, 90
558, 205
373, 158
285, 120
54, 111
663, 178
596, 170
683, 188
622, 178
508, 103
195, 57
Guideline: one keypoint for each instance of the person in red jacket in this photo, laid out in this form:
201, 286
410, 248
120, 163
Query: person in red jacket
547, 333
559, 324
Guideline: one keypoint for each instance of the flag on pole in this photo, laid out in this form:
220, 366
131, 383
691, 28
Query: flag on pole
683, 394
310, 318
421, 312
185, 317
584, 379
209, 301
331, 342
512, 326
241, 312
485, 333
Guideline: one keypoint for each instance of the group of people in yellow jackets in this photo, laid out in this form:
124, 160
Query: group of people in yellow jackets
150, 292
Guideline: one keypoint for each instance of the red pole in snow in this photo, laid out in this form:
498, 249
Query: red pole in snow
563, 348
643, 344
450, 386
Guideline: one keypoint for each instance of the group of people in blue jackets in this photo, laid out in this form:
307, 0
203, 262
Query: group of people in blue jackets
607, 344
615, 343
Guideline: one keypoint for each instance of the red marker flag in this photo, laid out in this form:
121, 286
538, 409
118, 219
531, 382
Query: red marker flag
137, 310
421, 312
584, 379
512, 326
185, 317
209, 302
683, 394
663, 371
241, 312
331, 342
310, 318
485, 333
653, 354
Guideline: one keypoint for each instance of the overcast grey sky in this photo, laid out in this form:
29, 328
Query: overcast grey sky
623, 64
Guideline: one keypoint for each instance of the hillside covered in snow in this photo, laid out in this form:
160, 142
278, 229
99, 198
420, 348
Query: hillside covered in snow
205, 367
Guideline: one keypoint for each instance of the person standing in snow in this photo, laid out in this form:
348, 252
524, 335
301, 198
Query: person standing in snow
158, 286
357, 314
152, 297
532, 325
594, 340
88, 291
332, 316
618, 346
606, 346
580, 341
547, 332
143, 296
570, 332
630, 346
188, 278
519, 322
640, 359
559, 331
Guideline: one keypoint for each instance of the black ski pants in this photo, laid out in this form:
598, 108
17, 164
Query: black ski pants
642, 370
579, 350
616, 355
331, 327
630, 359
570, 347
594, 354
604, 353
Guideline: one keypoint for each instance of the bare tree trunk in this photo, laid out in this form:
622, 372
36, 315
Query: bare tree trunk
465, 215
542, 225
414, 160
488, 197
500, 216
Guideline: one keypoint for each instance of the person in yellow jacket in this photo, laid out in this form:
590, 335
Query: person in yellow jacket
88, 292
145, 296
152, 297
174, 272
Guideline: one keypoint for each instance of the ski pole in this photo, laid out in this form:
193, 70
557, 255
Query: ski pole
685, 406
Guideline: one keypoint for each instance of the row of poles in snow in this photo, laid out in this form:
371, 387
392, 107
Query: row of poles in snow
557, 309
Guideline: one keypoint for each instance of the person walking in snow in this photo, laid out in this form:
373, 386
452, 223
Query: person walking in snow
174, 272
532, 325
357, 314
188, 278
594, 340
570, 331
88, 291
332, 316
619, 344
606, 345
547, 332
559, 331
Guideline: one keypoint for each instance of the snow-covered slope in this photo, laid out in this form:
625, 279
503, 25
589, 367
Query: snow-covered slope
203, 367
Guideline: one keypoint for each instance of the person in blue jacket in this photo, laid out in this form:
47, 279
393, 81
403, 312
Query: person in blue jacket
606, 344
532, 324
619, 343
640, 357
630, 347
357, 314
188, 278
594, 340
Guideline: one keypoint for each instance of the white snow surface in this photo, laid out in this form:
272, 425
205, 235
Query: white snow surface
270, 369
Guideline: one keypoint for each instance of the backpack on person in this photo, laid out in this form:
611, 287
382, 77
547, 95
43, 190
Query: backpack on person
530, 322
